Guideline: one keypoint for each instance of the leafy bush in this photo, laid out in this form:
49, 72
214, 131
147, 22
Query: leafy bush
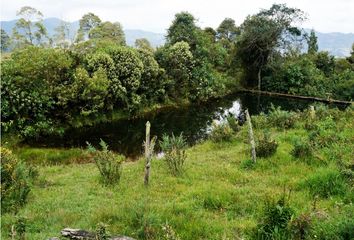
221, 132
326, 183
16, 181
302, 149
233, 123
266, 147
174, 150
324, 133
108, 163
281, 119
274, 222
300, 227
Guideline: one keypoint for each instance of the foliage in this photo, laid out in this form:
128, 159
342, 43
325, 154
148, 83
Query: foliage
16, 182
266, 147
31, 78
326, 183
108, 31
263, 34
29, 29
108, 163
312, 47
175, 156
144, 44
275, 219
233, 123
302, 149
5, 41
300, 226
221, 132
281, 118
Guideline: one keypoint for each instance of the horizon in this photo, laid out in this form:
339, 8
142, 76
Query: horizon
157, 15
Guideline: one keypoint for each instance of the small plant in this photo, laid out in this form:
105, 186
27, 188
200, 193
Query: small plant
275, 219
301, 226
16, 181
221, 132
108, 163
20, 227
326, 183
325, 133
175, 154
248, 164
169, 232
233, 123
281, 119
266, 147
302, 149
101, 233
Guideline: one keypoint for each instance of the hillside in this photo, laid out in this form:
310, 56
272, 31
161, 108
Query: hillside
338, 44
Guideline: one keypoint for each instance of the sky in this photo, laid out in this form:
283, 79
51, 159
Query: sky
157, 15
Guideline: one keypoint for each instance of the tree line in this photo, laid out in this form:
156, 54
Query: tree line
47, 81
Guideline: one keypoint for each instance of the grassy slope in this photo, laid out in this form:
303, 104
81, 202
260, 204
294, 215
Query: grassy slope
216, 198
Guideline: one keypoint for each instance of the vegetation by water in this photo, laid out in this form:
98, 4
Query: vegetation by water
220, 194
47, 84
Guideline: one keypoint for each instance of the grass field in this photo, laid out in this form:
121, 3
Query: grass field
219, 196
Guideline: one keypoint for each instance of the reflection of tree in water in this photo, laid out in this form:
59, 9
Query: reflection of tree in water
127, 136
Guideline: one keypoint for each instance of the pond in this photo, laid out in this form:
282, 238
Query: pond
126, 136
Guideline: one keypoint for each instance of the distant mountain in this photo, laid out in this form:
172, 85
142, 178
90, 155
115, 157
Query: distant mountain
338, 44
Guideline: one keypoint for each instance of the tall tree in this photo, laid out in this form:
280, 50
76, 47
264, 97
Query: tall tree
183, 28
227, 30
265, 34
61, 37
108, 31
5, 41
29, 29
312, 43
143, 43
87, 22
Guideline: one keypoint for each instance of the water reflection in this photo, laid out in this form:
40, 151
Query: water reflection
126, 136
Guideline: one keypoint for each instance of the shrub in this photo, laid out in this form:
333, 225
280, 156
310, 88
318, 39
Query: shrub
326, 183
276, 216
324, 133
233, 123
266, 147
108, 163
221, 132
302, 149
281, 119
16, 181
300, 227
174, 150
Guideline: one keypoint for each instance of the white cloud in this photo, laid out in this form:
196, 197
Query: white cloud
156, 15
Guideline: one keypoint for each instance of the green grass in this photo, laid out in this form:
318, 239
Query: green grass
217, 197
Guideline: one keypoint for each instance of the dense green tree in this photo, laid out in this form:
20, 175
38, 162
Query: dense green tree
226, 32
5, 41
183, 28
30, 81
312, 45
351, 57
143, 43
211, 33
178, 62
325, 62
29, 29
263, 34
108, 31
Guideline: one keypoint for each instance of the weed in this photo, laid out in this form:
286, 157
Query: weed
221, 132
266, 147
174, 150
108, 163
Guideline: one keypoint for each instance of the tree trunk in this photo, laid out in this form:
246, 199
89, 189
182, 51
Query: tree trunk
251, 137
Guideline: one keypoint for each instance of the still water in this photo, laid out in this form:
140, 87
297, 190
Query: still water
126, 136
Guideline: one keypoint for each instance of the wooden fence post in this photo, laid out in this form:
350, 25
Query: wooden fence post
251, 136
312, 112
149, 148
